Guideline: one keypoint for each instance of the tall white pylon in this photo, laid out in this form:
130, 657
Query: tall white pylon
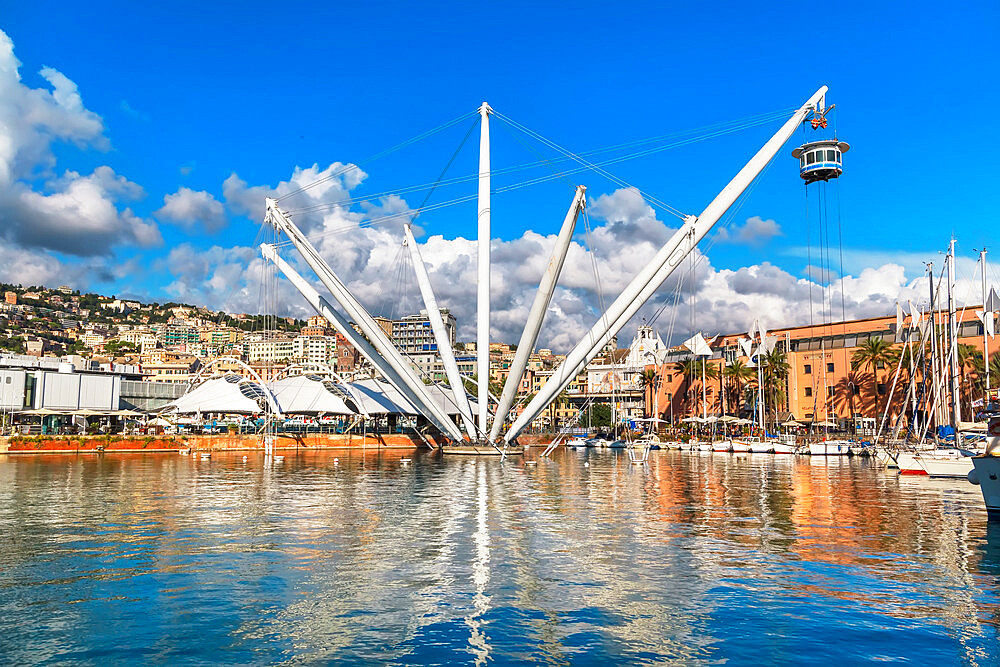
441, 335
537, 313
483, 292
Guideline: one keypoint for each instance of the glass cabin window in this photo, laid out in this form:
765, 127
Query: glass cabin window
810, 158
831, 156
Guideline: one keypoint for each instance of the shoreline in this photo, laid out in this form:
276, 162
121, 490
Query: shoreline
103, 444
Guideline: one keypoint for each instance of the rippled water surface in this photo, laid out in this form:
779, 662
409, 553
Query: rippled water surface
694, 558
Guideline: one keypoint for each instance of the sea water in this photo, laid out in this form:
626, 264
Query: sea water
693, 558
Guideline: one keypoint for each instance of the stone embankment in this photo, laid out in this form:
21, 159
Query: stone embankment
83, 444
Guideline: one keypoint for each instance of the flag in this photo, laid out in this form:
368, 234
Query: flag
698, 346
993, 302
986, 317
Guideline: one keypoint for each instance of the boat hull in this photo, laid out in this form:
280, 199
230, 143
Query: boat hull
828, 449
987, 476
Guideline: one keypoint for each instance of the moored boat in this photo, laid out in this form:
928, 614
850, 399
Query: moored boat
829, 448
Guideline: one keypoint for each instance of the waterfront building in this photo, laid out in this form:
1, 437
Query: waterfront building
821, 384
413, 334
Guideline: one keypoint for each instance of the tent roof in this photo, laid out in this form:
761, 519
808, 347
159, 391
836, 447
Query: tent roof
374, 397
310, 394
228, 394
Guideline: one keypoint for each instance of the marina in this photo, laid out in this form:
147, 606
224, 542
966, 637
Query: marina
498, 334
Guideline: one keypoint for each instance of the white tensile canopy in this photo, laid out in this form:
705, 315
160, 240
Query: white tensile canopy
228, 394
310, 394
374, 397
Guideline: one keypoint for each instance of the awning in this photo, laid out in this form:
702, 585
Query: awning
310, 395
231, 394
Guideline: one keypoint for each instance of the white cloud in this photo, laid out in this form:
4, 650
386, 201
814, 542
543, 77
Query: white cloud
625, 236
756, 231
190, 208
71, 213
340, 179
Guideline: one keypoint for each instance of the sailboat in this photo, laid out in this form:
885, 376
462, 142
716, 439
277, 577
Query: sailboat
954, 460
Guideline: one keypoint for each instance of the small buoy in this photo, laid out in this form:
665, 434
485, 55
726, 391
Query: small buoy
586, 464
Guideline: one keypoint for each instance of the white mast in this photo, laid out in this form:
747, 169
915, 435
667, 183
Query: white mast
650, 277
704, 398
357, 313
343, 326
537, 313
987, 314
441, 335
483, 293
956, 407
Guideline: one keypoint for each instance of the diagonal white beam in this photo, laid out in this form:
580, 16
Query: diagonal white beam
536, 314
649, 279
441, 336
341, 324
357, 313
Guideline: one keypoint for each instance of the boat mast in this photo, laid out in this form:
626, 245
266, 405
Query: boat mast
659, 268
956, 407
483, 293
987, 314
934, 352
441, 335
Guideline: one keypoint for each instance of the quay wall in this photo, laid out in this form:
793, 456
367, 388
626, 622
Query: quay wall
45, 444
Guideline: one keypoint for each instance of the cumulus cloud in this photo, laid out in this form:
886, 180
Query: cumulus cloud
73, 213
191, 208
331, 184
756, 231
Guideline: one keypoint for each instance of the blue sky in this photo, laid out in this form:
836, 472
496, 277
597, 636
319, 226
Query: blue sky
189, 95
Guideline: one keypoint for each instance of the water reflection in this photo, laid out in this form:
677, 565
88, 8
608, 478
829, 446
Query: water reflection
694, 557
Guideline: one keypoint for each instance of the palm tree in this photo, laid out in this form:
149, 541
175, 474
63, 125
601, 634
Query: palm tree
967, 357
648, 379
692, 368
737, 375
775, 371
874, 354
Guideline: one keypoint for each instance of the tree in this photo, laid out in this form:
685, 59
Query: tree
968, 355
648, 379
775, 372
692, 371
598, 415
874, 354
737, 375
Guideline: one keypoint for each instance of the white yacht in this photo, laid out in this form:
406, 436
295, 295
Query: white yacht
830, 448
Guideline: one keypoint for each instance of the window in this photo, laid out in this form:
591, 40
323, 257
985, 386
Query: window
802, 161
809, 391
829, 392
881, 389
807, 369
810, 158
829, 368
831, 156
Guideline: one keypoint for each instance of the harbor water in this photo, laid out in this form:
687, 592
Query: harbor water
582, 559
